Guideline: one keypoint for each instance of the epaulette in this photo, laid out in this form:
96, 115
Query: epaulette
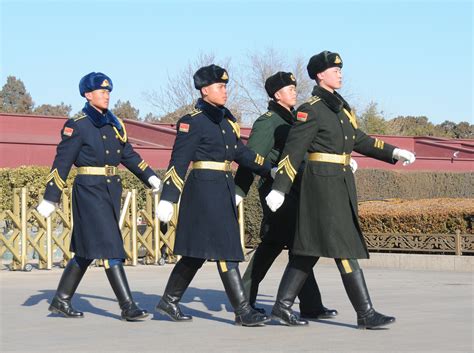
268, 114
313, 99
195, 112
79, 117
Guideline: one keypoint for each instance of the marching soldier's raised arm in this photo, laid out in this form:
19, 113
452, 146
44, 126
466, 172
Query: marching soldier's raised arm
373, 147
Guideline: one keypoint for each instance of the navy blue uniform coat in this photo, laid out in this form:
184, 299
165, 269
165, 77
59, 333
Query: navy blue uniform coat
208, 224
95, 199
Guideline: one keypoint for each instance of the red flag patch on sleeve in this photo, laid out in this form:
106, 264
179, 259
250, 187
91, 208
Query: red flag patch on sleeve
68, 131
301, 116
184, 127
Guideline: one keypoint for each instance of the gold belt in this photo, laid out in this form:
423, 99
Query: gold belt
106, 171
330, 158
221, 166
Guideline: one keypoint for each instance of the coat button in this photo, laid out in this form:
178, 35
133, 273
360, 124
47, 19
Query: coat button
226, 176
104, 137
281, 171
342, 122
353, 137
108, 180
343, 169
168, 182
107, 152
345, 137
227, 147
118, 151
223, 131
118, 180
235, 146
51, 183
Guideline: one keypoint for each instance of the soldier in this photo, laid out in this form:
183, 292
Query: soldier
207, 229
267, 138
96, 143
327, 216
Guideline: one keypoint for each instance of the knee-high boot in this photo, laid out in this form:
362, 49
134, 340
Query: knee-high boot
245, 315
311, 305
357, 291
119, 283
290, 285
61, 303
256, 270
179, 280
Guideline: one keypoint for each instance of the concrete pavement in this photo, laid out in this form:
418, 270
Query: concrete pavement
434, 311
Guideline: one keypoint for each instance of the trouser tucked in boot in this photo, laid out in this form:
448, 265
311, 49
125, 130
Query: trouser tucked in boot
72, 275
291, 283
256, 270
245, 315
356, 289
118, 280
180, 278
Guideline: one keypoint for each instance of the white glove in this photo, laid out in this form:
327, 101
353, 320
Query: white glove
405, 156
238, 200
353, 164
45, 208
273, 172
164, 211
275, 199
155, 183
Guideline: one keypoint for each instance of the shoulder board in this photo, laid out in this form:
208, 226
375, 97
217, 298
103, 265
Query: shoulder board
195, 112
313, 99
79, 117
268, 114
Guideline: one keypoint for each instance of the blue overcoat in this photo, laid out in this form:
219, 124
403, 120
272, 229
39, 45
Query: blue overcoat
208, 224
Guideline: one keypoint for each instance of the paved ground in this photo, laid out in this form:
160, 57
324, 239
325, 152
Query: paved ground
434, 313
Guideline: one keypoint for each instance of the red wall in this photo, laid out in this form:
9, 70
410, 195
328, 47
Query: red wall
32, 140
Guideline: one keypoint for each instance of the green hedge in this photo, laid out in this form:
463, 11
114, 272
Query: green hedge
372, 185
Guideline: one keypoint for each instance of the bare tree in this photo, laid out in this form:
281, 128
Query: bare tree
179, 95
247, 96
260, 65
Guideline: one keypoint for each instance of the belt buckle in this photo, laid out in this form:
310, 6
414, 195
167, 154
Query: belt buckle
227, 166
348, 159
109, 170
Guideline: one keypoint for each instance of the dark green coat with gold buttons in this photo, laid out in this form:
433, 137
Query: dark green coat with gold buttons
327, 220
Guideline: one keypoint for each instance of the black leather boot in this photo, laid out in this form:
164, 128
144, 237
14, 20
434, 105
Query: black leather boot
311, 306
290, 285
356, 289
245, 315
61, 303
118, 281
179, 280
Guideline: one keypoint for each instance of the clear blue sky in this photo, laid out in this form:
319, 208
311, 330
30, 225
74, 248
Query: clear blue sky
411, 57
